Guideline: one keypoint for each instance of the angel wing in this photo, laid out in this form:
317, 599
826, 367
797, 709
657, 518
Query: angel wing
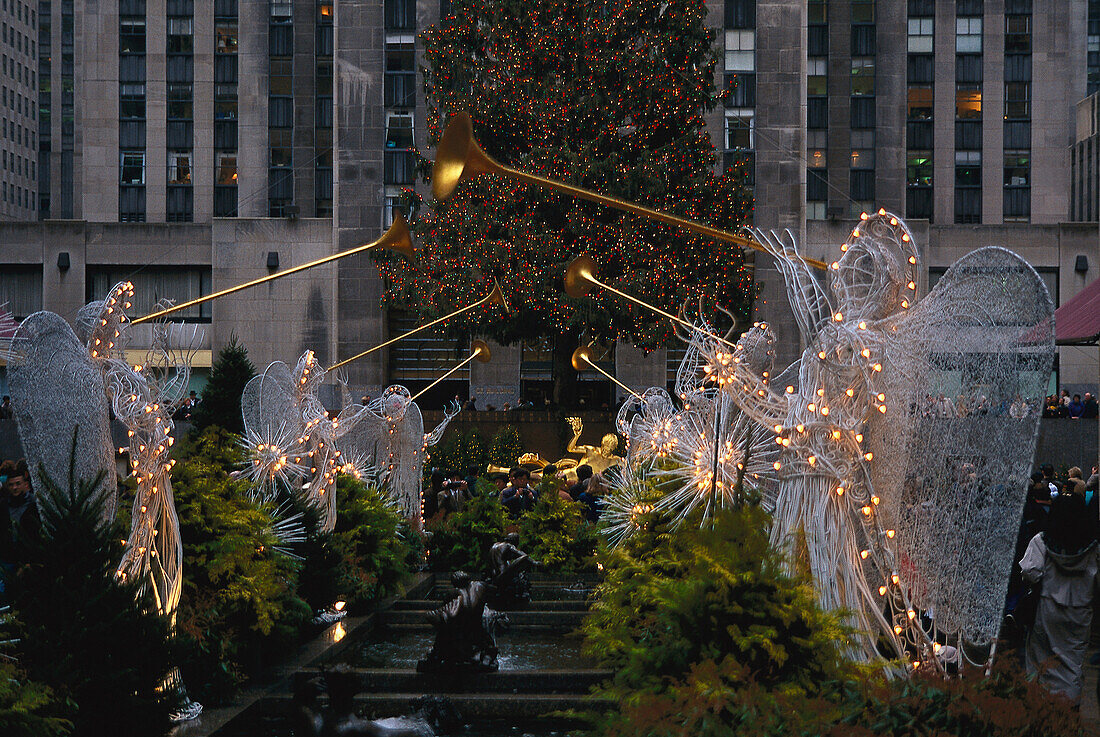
449, 413
57, 390
953, 486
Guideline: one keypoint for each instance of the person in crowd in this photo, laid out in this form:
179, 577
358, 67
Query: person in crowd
365, 400
471, 480
507, 407
1052, 483
944, 407
500, 481
518, 496
1093, 484
1064, 399
1090, 410
584, 472
455, 493
1076, 407
5, 408
431, 499
591, 497
1063, 560
1075, 483
18, 510
471, 405
1018, 409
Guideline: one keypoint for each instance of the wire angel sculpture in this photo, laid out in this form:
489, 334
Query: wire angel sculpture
291, 439
704, 456
391, 433
872, 499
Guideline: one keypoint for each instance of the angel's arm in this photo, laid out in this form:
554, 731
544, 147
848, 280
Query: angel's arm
808, 300
448, 414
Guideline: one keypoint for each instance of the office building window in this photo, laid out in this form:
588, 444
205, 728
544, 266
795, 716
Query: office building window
181, 39
179, 167
1017, 100
132, 167
225, 172
968, 35
968, 187
1017, 34
920, 35
968, 102
400, 15
225, 37
399, 130
817, 80
154, 283
863, 75
740, 51
21, 289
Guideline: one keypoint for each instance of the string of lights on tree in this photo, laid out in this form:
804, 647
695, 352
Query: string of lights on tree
605, 95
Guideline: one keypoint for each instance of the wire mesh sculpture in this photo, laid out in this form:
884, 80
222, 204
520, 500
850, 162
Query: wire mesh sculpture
290, 438
704, 456
391, 434
57, 393
879, 507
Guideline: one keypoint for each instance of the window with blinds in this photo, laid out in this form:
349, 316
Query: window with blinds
178, 284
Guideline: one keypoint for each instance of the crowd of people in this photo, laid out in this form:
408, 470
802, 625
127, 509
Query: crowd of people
1075, 407
1055, 581
449, 491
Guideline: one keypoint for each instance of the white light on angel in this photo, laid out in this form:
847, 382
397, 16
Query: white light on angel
844, 423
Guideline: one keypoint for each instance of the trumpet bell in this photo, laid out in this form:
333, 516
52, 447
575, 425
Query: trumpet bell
579, 275
459, 157
481, 348
398, 238
496, 297
582, 358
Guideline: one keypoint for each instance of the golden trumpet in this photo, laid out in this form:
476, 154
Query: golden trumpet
480, 351
495, 297
396, 238
582, 361
459, 157
581, 276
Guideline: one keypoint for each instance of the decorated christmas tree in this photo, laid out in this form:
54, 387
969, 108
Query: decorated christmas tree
607, 95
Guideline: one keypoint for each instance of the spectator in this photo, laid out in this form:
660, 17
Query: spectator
18, 511
591, 496
1052, 483
518, 496
1063, 559
5, 408
471, 480
500, 481
1018, 409
1064, 398
506, 408
1093, 484
431, 499
1075, 484
1075, 408
365, 400
452, 497
471, 405
584, 472
1090, 409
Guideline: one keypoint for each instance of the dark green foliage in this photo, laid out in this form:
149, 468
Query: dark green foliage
365, 558
1005, 704
221, 398
554, 533
462, 540
239, 599
28, 708
91, 638
506, 446
692, 621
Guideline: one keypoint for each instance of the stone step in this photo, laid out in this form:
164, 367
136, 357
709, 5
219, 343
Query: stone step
554, 619
562, 605
517, 682
418, 624
486, 705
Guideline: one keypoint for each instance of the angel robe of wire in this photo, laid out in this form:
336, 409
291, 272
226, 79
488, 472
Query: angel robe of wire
391, 434
867, 355
57, 390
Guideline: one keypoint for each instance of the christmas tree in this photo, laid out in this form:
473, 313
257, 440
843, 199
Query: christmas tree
607, 95
221, 398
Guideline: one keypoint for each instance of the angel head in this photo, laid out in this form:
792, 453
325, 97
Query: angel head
99, 324
876, 275
756, 348
394, 401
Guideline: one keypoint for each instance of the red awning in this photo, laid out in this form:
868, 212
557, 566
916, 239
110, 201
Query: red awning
1077, 322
